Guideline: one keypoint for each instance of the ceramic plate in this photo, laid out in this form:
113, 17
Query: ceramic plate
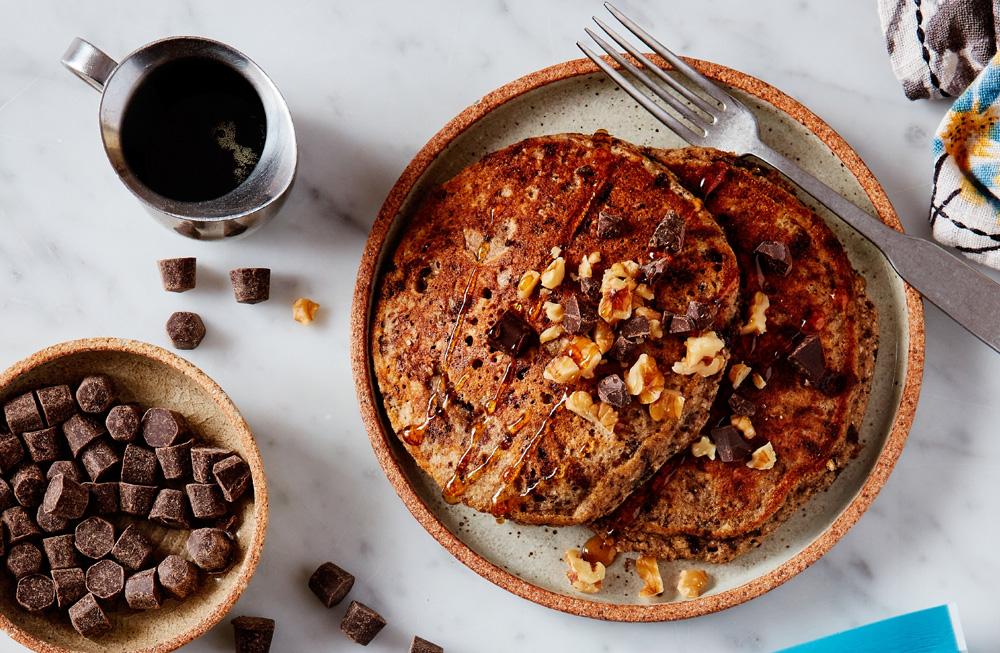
527, 560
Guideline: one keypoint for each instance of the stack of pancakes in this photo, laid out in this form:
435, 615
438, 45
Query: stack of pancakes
664, 344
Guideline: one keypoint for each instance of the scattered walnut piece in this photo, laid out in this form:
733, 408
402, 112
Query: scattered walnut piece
703, 356
692, 582
654, 318
763, 458
644, 291
703, 447
670, 404
644, 380
581, 574
758, 381
649, 572
757, 322
554, 311
554, 274
738, 373
586, 270
606, 416
585, 353
743, 424
304, 310
582, 404
556, 251
604, 337
550, 334
526, 286
617, 286
831, 465
562, 369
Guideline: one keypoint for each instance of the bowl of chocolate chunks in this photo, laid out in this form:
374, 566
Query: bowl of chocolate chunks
134, 503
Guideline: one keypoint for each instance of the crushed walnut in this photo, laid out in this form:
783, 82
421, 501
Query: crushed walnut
703, 447
758, 381
550, 334
304, 310
757, 322
670, 404
554, 273
649, 572
554, 311
692, 582
743, 424
604, 336
528, 283
703, 357
738, 373
617, 286
582, 575
654, 318
585, 353
763, 458
644, 380
561, 369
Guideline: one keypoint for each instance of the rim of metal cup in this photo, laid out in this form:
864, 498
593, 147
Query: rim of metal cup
271, 177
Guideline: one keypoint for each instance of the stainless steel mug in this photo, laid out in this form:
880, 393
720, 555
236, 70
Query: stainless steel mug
256, 199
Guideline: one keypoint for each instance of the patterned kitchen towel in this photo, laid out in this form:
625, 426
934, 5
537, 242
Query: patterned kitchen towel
937, 47
965, 202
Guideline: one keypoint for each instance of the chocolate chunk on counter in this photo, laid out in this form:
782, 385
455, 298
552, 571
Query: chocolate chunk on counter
186, 330
807, 358
88, 618
741, 405
95, 537
210, 548
67, 468
206, 500
175, 461
421, 645
636, 329
774, 256
202, 461
29, 485
11, 452
99, 459
331, 584
48, 522
611, 390
142, 591
178, 274
170, 509
105, 579
162, 427
123, 422
233, 477
81, 430
609, 225
138, 465
96, 394
22, 414
65, 498
57, 404
43, 446
136, 499
253, 634
24, 559
70, 586
35, 593
178, 576
669, 234
580, 316
60, 551
251, 285
361, 623
133, 549
511, 334
19, 524
103, 498
730, 445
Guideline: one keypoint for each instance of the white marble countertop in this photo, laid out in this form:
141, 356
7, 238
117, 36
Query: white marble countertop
368, 83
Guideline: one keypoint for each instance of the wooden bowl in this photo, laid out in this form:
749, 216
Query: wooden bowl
150, 376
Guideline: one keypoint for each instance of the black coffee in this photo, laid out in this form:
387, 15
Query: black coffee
194, 130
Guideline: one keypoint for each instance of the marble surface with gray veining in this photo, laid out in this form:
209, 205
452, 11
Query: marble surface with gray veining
368, 83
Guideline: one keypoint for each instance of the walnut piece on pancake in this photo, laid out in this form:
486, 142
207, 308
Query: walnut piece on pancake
598, 413
703, 356
738, 373
757, 322
644, 380
758, 381
554, 273
670, 404
529, 281
582, 575
703, 447
649, 571
743, 424
554, 311
617, 286
692, 582
763, 458
550, 334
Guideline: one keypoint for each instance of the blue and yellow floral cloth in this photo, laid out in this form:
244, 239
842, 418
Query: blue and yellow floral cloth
965, 204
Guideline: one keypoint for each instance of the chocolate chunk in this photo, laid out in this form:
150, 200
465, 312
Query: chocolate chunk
774, 257
81, 430
6, 495
103, 498
361, 623
70, 586
136, 499
511, 334
609, 225
24, 559
65, 498
622, 350
611, 390
95, 394
49, 522
60, 551
186, 330
175, 461
95, 537
29, 485
807, 358
19, 524
228, 523
580, 316
11, 452
251, 285
741, 405
123, 422
142, 591
669, 234
22, 414
99, 459
636, 329
170, 509
162, 427
730, 445
88, 618
421, 645
700, 314
178, 576
67, 468
331, 584
210, 548
654, 270
591, 289
202, 461
233, 477
35, 593
43, 446
132, 549
178, 274
253, 634
105, 579
57, 404
680, 324
138, 465
206, 500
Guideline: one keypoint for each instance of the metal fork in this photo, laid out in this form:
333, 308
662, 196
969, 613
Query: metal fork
970, 297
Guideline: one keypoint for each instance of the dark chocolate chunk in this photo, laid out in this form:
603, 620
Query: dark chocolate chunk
35, 593
6, 495
206, 500
70, 586
361, 623
24, 559
95, 537
654, 270
700, 314
175, 461
123, 422
591, 289
105, 579
331, 584
611, 391
636, 329
136, 499
57, 404
680, 324
622, 350
81, 430
132, 549
740, 405
60, 551
88, 618
138, 465
162, 427
228, 523
22, 414
511, 334
103, 498
142, 591
178, 274
807, 358
170, 509
669, 234
43, 446
774, 257
730, 445
96, 394
186, 330
251, 285
202, 461
609, 225
580, 316
421, 645
29, 485
20, 525
210, 548
232, 476
178, 576
99, 459
253, 634
48, 522
11, 452
65, 498
67, 468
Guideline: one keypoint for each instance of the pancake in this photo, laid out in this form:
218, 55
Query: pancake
505, 433
697, 508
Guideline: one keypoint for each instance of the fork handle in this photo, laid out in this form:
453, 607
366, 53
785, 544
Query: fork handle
967, 295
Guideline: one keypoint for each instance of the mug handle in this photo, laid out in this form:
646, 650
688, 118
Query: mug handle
88, 63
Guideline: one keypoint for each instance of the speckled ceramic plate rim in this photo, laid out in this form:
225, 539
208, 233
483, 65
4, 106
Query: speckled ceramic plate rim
232, 415
381, 437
